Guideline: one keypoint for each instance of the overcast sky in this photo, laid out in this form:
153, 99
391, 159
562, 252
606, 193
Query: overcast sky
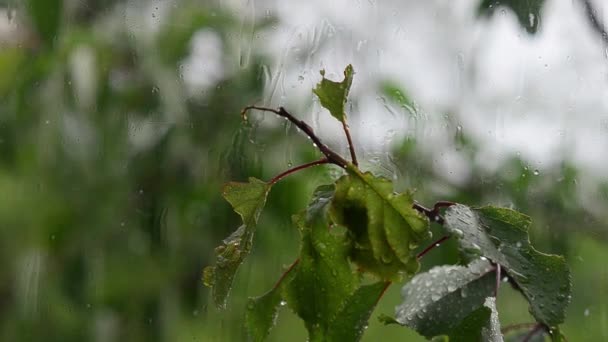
542, 96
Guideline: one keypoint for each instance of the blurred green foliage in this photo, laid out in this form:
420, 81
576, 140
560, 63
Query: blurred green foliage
111, 170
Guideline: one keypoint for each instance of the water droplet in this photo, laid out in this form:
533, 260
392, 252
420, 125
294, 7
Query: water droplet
283, 303
435, 297
536, 172
458, 233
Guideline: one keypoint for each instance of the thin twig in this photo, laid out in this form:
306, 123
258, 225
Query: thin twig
538, 327
594, 20
518, 326
289, 269
351, 147
386, 286
433, 214
297, 168
433, 245
332, 156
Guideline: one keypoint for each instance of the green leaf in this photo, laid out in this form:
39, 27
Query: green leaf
385, 228
527, 11
45, 16
502, 235
350, 322
438, 301
323, 276
262, 311
325, 290
333, 95
248, 200
481, 325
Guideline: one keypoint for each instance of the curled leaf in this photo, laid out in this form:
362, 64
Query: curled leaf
385, 228
248, 200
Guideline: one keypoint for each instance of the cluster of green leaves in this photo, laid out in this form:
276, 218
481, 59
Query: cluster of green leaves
358, 236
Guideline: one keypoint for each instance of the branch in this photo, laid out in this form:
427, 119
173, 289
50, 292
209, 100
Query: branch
297, 168
331, 156
351, 147
538, 327
433, 214
287, 271
431, 246
518, 326
386, 286
594, 20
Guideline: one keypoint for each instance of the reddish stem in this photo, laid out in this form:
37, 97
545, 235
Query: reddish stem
351, 147
296, 169
433, 245
538, 327
289, 269
386, 286
332, 156
497, 280
519, 326
433, 214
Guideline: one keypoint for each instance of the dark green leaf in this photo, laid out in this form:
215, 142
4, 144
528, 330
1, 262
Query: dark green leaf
527, 11
502, 236
481, 325
385, 228
325, 291
350, 322
323, 277
45, 16
333, 95
262, 311
437, 301
248, 200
